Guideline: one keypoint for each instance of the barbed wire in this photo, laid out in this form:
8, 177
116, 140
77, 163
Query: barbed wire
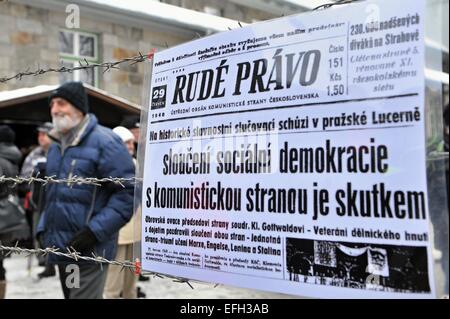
83, 65
77, 256
72, 180
74, 255
71, 253
77, 180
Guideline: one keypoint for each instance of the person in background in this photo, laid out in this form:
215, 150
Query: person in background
10, 157
118, 282
83, 217
34, 165
446, 149
437, 182
35, 198
39, 154
131, 122
128, 140
446, 141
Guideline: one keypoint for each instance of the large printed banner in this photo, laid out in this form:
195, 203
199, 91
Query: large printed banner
289, 156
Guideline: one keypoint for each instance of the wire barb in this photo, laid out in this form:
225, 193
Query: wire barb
77, 256
70, 181
82, 65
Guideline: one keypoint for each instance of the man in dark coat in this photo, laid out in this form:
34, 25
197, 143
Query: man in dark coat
84, 217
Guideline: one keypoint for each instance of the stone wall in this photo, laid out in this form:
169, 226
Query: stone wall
25, 42
29, 39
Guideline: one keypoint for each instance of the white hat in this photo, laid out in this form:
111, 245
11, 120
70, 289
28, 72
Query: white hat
124, 133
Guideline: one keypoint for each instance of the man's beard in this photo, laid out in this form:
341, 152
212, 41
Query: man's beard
64, 123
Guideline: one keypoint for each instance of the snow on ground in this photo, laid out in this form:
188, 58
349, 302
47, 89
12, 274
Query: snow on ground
22, 283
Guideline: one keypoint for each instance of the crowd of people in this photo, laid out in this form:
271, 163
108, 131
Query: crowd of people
83, 217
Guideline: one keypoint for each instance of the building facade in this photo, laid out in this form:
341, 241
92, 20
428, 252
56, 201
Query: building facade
38, 34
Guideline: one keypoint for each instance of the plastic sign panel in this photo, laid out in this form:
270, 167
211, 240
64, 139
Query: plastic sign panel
289, 156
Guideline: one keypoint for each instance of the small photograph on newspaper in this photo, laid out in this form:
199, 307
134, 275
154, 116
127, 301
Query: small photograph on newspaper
389, 268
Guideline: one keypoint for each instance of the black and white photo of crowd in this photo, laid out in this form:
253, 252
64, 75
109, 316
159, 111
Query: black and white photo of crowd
377, 267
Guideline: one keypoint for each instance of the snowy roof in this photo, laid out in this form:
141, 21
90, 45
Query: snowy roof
143, 12
19, 93
26, 94
168, 13
309, 4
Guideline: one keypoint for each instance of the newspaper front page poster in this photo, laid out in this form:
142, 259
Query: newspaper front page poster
289, 156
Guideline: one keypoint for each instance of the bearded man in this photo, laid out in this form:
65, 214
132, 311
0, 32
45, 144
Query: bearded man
79, 216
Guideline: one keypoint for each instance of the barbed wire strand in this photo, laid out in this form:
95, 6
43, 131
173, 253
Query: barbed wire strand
77, 256
74, 255
83, 65
71, 253
70, 181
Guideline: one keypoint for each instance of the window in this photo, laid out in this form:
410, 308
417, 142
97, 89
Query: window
73, 47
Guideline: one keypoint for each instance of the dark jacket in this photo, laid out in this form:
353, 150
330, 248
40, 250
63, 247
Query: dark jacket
10, 157
96, 152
